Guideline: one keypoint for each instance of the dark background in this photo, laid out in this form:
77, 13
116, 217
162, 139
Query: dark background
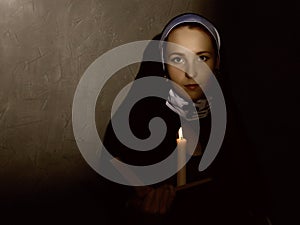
261, 41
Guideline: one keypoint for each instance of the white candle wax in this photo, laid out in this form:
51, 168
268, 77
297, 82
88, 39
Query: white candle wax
181, 158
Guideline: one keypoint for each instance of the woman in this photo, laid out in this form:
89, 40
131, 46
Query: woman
224, 198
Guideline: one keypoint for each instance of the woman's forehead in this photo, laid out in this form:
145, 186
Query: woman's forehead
193, 39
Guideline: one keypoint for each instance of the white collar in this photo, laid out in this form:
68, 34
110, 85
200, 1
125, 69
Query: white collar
188, 110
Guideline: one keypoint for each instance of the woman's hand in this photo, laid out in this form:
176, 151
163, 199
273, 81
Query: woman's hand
154, 200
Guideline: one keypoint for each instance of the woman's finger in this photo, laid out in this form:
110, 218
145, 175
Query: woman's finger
164, 200
147, 203
171, 196
157, 200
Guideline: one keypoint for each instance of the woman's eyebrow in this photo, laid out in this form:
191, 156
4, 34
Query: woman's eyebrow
177, 53
183, 53
202, 52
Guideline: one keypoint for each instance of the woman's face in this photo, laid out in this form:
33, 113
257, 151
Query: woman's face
183, 67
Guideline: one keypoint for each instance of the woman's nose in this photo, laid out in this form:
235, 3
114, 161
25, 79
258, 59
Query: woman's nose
191, 71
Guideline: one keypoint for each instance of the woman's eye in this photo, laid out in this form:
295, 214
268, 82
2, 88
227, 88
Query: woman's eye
203, 58
177, 60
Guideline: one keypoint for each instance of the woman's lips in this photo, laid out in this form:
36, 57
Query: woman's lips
191, 86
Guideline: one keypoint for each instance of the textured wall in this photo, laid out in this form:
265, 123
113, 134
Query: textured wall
45, 46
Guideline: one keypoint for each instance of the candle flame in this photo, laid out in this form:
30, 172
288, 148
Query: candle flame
180, 135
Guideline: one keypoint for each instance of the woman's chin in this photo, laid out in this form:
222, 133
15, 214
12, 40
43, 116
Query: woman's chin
195, 96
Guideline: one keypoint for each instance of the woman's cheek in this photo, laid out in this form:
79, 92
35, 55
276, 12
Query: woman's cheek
175, 73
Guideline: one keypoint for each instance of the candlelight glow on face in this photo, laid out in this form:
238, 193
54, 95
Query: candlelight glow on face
186, 69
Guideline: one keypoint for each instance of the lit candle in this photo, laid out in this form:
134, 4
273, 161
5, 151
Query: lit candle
181, 158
